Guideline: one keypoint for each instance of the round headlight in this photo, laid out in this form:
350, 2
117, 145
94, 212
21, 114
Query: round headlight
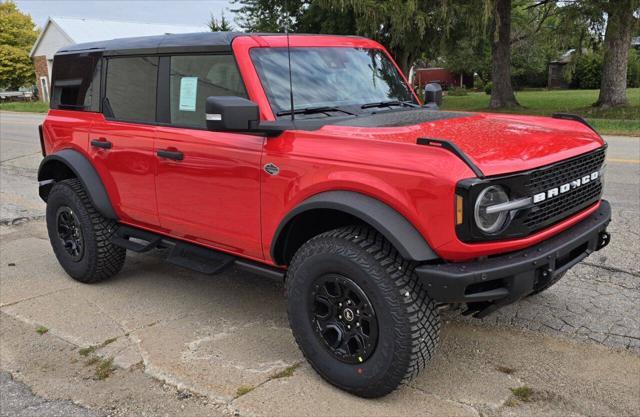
490, 196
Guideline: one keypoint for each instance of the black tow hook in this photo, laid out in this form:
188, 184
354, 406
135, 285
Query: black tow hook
603, 240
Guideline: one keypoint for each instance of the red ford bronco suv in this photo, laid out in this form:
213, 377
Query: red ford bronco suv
311, 160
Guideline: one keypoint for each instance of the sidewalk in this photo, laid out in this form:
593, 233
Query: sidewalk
226, 338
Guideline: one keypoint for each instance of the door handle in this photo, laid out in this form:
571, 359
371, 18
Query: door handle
101, 143
167, 154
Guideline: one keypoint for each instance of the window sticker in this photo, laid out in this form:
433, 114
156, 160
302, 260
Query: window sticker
188, 93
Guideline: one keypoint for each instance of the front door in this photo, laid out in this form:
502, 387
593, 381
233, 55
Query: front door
208, 183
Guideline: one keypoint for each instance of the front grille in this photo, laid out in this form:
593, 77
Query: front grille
558, 208
564, 172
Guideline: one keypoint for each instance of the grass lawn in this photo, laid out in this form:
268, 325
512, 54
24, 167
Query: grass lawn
615, 121
30, 106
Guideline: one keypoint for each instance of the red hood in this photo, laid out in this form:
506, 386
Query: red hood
496, 143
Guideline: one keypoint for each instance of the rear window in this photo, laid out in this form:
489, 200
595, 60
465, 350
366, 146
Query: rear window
130, 92
76, 82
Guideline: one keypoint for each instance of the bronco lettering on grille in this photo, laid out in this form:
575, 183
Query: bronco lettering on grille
554, 192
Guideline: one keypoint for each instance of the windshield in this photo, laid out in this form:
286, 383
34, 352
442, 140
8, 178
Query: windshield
330, 79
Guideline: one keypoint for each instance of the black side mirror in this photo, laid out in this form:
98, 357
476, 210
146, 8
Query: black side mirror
231, 114
432, 95
237, 114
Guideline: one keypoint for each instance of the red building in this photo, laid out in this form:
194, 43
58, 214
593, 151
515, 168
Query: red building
442, 76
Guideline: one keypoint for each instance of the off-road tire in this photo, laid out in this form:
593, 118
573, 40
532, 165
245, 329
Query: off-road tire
546, 285
409, 323
101, 259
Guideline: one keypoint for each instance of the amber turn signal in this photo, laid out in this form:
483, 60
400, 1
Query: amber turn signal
459, 205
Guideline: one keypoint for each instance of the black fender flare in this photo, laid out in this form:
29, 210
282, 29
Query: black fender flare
83, 170
386, 220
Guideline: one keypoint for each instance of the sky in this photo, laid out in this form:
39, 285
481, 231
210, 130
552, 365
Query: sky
185, 12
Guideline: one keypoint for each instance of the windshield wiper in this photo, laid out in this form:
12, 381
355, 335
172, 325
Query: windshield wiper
314, 110
389, 104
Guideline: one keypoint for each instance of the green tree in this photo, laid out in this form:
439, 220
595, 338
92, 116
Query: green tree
535, 41
270, 16
302, 16
500, 40
407, 28
501, 88
221, 25
465, 48
622, 22
317, 18
17, 35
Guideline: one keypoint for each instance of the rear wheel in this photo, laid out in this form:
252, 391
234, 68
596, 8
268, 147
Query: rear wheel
80, 235
358, 312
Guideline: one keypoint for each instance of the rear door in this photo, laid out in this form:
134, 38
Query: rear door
208, 183
121, 143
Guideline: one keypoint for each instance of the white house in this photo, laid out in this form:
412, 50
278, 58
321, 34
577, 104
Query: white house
63, 31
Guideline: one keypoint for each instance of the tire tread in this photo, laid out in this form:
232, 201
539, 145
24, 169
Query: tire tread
418, 309
108, 259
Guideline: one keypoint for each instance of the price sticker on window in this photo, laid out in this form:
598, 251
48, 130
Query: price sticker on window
188, 93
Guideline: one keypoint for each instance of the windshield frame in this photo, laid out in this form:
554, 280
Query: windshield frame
341, 110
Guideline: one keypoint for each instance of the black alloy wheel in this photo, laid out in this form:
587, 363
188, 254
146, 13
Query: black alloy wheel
70, 232
344, 318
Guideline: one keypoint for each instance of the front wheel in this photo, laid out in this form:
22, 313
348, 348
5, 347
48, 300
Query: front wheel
358, 312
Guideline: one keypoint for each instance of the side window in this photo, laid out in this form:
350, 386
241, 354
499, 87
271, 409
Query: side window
76, 82
130, 93
196, 77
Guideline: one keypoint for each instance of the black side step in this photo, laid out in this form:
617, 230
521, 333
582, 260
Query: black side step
123, 235
187, 255
199, 259
261, 269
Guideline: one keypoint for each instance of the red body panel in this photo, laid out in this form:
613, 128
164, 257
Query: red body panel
219, 196
496, 143
128, 168
212, 196
67, 130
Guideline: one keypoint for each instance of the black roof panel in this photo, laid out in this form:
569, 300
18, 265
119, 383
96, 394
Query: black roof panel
184, 42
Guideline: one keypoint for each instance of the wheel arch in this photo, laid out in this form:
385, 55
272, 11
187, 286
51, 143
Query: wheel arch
69, 163
333, 209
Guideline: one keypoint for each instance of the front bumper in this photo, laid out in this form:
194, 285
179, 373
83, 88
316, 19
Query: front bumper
488, 284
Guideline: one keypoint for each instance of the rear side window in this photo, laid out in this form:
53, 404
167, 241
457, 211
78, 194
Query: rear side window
130, 92
76, 82
193, 78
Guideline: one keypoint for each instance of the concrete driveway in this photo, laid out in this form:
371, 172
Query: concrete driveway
221, 344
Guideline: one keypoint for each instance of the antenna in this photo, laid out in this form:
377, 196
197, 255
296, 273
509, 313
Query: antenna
286, 32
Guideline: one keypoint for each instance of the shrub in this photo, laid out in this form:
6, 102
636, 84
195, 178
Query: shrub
487, 88
457, 91
529, 78
588, 71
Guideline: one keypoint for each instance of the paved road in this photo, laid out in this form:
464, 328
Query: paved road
19, 401
213, 335
19, 159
